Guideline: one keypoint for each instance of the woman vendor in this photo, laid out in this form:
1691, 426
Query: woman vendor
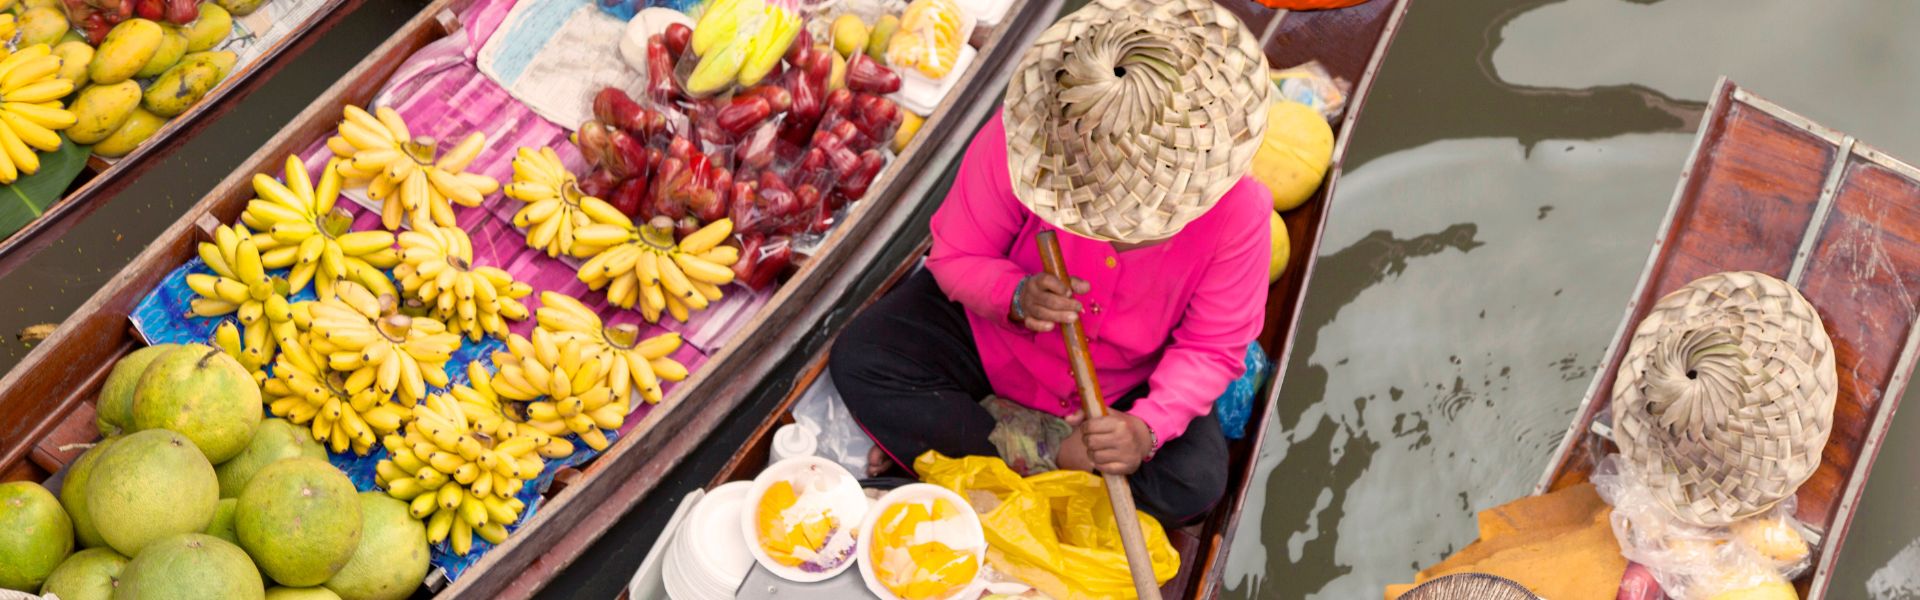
1129, 129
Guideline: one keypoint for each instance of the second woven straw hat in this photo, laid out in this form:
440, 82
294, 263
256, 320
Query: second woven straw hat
1129, 119
1724, 400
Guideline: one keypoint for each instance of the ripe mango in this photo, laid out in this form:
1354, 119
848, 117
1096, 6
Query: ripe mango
882, 33
210, 29
223, 59
130, 135
42, 25
32, 4
180, 88
849, 35
125, 51
240, 8
74, 56
99, 112
173, 45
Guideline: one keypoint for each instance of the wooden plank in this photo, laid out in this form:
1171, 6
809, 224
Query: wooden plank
108, 181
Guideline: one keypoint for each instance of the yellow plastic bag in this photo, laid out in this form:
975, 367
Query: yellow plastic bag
1054, 531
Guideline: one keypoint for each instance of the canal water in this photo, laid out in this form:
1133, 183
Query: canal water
1500, 199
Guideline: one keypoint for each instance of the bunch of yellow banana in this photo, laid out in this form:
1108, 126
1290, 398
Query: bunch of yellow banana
305, 231
571, 378
30, 109
240, 285
555, 205
643, 266
345, 412
489, 415
401, 171
436, 268
630, 363
460, 481
363, 336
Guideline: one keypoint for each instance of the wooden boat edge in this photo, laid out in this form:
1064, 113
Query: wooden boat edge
1211, 574
69, 210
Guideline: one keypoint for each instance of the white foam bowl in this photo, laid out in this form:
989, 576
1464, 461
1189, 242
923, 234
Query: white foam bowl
845, 502
976, 537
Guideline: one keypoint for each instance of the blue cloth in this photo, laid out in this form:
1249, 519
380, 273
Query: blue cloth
163, 317
1235, 406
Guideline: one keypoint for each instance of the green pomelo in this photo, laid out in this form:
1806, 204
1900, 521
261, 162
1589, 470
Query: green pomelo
114, 408
73, 495
150, 485
202, 393
89, 574
274, 440
306, 593
392, 558
222, 525
190, 565
300, 520
35, 535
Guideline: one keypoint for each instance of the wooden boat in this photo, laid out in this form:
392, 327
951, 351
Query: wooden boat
1351, 43
46, 401
1771, 191
101, 180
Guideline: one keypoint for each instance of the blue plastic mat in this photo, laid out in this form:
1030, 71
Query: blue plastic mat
163, 317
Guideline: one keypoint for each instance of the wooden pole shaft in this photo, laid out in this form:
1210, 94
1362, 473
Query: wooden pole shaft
1118, 492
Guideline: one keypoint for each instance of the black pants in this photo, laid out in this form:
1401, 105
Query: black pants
912, 377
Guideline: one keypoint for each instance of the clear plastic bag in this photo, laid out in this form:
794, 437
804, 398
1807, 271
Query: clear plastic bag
930, 37
1312, 85
839, 437
1759, 555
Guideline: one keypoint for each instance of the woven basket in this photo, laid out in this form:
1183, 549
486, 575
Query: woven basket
1470, 586
1725, 397
1129, 119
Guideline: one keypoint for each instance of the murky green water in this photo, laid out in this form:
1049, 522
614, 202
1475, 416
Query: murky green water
1500, 199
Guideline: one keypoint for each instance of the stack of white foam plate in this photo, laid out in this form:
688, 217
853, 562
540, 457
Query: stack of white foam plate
709, 557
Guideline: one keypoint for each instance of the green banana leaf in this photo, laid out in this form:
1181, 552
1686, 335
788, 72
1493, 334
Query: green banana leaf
30, 196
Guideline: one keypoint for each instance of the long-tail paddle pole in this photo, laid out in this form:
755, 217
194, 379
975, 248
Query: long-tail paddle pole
1118, 492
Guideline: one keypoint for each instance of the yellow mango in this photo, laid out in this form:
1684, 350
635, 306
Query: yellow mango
173, 46
1282, 248
125, 51
240, 8
219, 59
180, 88
42, 25
74, 56
131, 134
100, 110
32, 4
210, 29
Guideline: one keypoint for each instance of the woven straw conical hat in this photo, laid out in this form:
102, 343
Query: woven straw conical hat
1725, 397
1129, 119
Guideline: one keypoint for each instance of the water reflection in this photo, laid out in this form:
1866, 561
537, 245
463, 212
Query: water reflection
1501, 196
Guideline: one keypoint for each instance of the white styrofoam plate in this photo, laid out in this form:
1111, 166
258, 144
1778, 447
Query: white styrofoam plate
973, 536
842, 499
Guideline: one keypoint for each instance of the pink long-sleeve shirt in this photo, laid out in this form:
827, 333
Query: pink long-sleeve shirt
1177, 316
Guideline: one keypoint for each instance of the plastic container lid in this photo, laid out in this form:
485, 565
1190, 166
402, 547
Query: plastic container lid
841, 498
976, 538
922, 95
649, 21
988, 12
795, 439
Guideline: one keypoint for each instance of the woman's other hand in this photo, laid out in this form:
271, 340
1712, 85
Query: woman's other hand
1044, 301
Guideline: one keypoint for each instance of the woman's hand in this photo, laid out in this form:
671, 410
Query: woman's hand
1044, 301
1115, 444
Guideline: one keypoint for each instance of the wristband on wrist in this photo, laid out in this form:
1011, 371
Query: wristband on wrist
1019, 314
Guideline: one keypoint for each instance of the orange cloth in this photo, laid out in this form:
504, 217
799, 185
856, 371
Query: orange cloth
1559, 545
